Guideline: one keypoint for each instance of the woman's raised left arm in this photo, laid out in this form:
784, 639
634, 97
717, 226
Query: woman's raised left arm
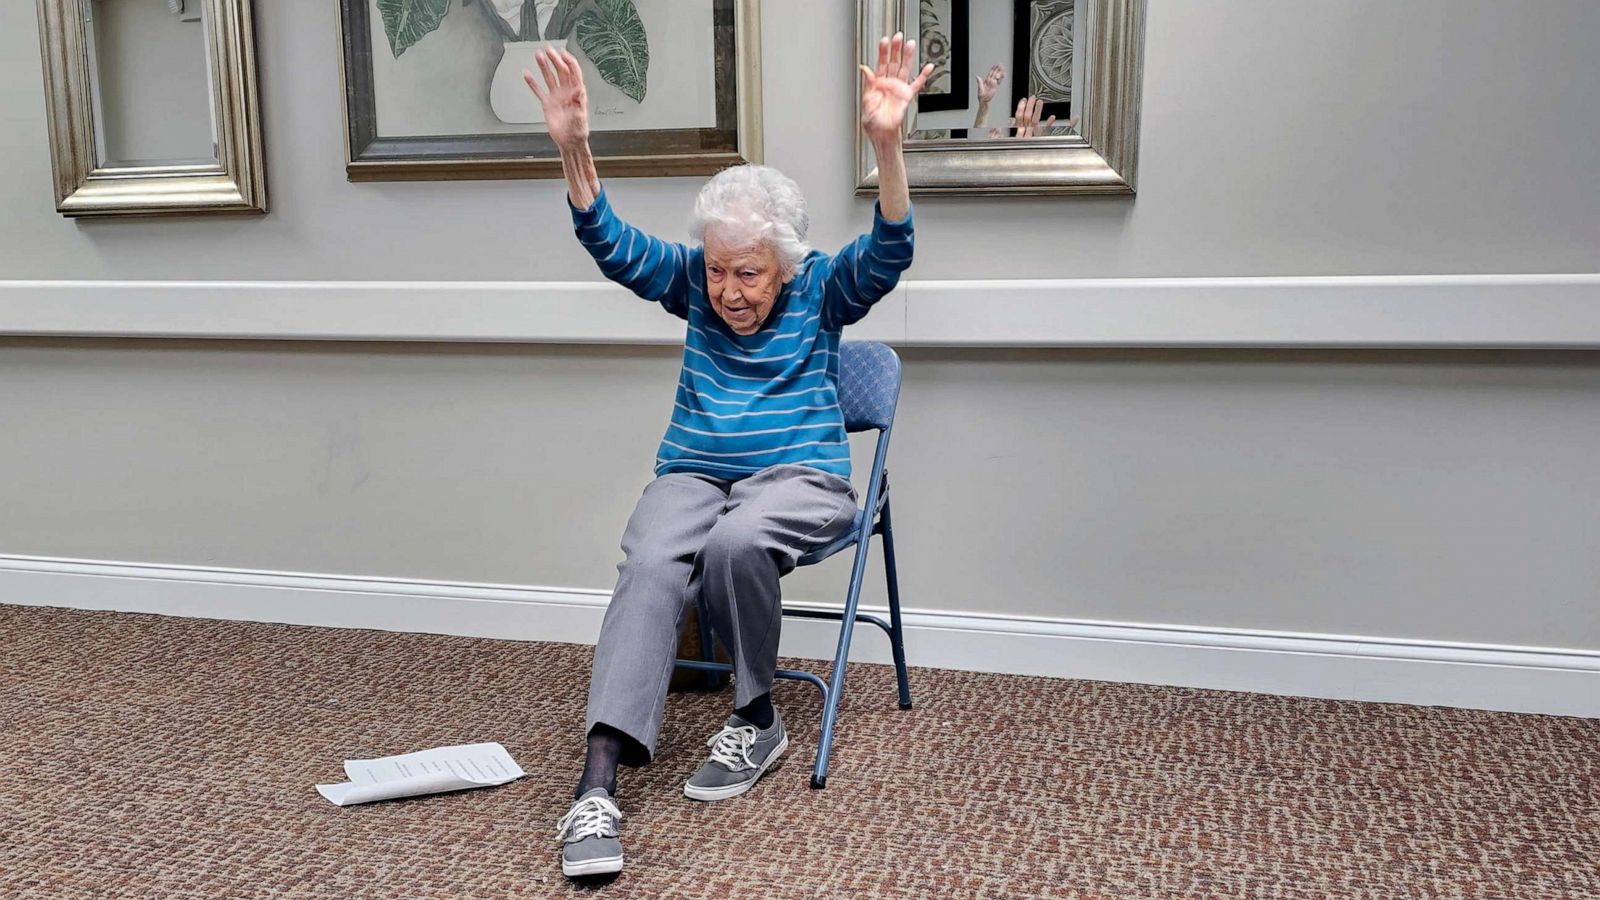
886, 94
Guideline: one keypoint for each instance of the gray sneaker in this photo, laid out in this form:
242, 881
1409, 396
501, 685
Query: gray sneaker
588, 835
740, 754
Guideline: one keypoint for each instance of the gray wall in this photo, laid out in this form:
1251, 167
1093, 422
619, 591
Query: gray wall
1359, 137
1443, 496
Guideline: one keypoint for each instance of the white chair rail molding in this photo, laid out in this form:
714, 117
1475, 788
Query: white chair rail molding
1440, 311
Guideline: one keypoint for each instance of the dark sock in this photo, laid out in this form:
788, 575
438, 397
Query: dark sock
757, 712
600, 764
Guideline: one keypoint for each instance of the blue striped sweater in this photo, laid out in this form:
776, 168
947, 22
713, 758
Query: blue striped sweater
770, 398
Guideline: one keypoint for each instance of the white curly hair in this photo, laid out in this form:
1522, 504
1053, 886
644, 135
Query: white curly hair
753, 204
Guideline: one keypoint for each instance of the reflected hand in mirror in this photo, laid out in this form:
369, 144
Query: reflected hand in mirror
987, 86
1027, 120
1027, 124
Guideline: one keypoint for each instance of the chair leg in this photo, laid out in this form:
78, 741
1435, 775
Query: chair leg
897, 642
830, 706
830, 697
830, 715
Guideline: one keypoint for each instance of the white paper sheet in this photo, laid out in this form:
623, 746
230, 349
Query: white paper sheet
424, 772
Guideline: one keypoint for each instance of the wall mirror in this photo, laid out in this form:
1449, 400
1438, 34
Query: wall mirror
1027, 96
152, 106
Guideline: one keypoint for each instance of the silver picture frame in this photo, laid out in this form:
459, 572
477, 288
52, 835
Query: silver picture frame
1100, 158
235, 182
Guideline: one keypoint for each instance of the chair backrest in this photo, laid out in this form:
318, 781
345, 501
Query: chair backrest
869, 384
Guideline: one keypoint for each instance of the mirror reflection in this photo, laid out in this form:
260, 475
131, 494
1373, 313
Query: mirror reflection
150, 72
1003, 69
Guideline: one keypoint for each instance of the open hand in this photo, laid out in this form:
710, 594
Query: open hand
566, 103
886, 93
988, 84
1029, 109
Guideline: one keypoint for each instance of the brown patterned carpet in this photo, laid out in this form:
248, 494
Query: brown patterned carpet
145, 756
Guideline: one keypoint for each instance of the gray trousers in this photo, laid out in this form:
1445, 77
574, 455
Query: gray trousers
727, 543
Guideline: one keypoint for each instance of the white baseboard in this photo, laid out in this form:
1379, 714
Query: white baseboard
1432, 311
1521, 679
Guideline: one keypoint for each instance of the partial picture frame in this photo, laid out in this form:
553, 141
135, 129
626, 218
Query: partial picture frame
1042, 36
945, 40
433, 88
90, 178
1099, 156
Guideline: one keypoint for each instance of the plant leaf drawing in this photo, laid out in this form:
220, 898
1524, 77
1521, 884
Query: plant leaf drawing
408, 21
529, 30
613, 36
564, 18
610, 32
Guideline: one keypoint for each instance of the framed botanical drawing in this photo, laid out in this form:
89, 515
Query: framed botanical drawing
945, 39
433, 88
1041, 41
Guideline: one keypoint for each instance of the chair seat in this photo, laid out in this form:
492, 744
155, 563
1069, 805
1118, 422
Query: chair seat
859, 528
848, 539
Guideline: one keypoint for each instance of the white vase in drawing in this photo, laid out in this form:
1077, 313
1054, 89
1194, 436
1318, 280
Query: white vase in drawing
509, 96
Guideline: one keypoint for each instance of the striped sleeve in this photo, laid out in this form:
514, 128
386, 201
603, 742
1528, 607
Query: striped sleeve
866, 270
650, 267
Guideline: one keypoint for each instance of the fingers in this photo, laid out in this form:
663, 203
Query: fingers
869, 98
547, 69
922, 80
908, 58
1034, 108
896, 56
1029, 111
989, 82
570, 73
533, 85
1028, 116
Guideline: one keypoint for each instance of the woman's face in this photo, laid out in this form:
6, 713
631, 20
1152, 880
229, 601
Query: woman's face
742, 282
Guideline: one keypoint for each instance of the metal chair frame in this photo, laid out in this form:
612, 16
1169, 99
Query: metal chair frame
860, 415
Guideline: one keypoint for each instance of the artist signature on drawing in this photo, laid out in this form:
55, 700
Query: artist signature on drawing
608, 111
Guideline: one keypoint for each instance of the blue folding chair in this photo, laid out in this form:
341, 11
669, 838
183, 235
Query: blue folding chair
869, 388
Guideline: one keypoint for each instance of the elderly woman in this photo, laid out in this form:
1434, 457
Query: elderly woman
754, 468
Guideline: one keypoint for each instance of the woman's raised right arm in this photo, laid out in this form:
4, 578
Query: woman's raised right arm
650, 267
